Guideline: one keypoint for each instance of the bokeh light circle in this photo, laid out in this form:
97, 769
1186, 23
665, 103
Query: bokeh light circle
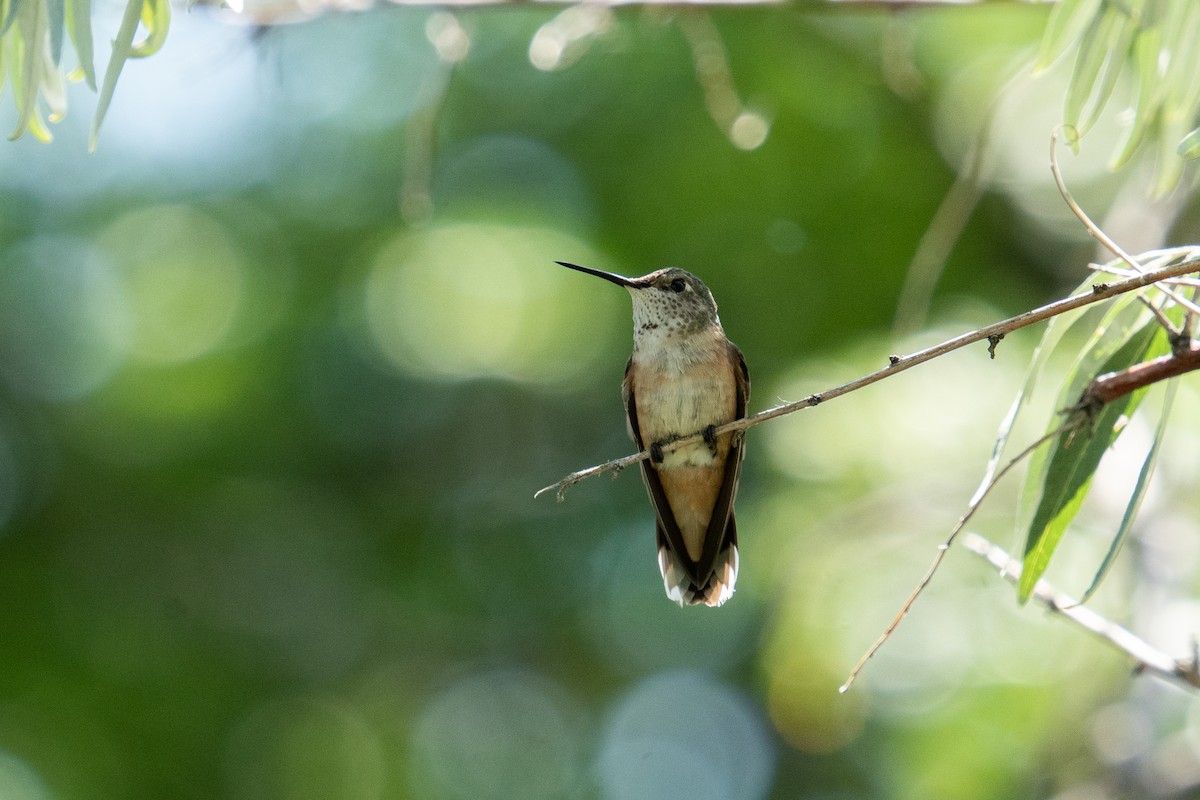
183, 274
305, 748
749, 130
64, 319
497, 735
470, 300
18, 780
684, 734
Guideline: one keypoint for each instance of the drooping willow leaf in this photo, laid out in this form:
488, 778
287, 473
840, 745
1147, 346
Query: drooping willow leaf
1159, 41
31, 43
55, 22
1147, 45
1075, 455
121, 51
1067, 22
1105, 329
79, 24
13, 7
1189, 148
32, 34
1102, 56
156, 18
1139, 494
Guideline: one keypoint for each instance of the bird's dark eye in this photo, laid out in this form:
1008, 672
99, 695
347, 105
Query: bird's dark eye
678, 285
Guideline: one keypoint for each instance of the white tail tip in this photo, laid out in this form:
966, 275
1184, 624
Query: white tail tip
715, 592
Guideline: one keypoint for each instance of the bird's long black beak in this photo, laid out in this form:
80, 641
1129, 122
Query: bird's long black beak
619, 280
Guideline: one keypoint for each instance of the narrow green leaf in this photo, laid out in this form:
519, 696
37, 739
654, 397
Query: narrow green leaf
1180, 92
1098, 48
1139, 494
1074, 458
1107, 327
1146, 49
37, 127
1120, 46
55, 19
1187, 90
122, 46
1180, 28
53, 89
79, 23
1113, 327
1056, 329
1189, 146
1175, 21
1171, 130
1067, 22
1100, 328
14, 6
156, 17
27, 75
1010, 419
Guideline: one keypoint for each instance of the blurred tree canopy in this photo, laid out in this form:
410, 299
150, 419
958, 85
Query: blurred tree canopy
284, 360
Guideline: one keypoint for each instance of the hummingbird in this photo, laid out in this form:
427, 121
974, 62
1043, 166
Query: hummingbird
684, 378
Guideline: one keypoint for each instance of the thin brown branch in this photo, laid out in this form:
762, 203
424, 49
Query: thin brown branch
1147, 657
1189, 321
1109, 387
1159, 315
1069, 199
976, 501
899, 364
1188, 305
615, 466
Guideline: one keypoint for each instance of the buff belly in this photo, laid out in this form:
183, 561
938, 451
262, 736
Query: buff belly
672, 406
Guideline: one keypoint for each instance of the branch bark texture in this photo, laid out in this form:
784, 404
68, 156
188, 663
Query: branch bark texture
1109, 387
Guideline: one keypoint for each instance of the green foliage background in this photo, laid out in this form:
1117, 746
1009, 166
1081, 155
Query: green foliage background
268, 445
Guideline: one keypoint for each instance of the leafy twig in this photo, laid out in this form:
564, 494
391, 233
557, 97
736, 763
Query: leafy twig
1100, 391
1069, 199
1094, 229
